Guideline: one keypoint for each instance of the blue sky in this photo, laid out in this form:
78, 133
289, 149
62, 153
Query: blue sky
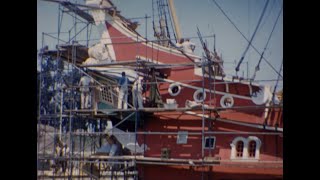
191, 14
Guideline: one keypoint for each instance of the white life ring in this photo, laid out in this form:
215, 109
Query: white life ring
196, 95
174, 89
262, 96
226, 104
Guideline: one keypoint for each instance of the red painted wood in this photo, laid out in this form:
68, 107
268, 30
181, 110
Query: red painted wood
271, 149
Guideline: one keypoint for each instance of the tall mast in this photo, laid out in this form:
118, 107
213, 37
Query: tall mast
175, 19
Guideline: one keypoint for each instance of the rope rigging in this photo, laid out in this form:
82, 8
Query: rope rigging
245, 37
253, 35
257, 68
275, 88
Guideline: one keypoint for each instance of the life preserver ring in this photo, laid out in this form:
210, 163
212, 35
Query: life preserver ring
262, 96
174, 89
226, 101
198, 97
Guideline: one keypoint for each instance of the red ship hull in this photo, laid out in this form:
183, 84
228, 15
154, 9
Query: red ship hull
254, 119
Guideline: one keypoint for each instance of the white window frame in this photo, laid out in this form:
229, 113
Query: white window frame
214, 142
234, 148
258, 145
245, 154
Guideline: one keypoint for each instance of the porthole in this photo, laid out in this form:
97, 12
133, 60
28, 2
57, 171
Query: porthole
174, 89
199, 96
226, 101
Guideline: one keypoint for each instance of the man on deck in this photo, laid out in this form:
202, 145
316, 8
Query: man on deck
188, 47
137, 89
85, 91
123, 91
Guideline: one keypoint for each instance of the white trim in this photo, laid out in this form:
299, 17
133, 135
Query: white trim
206, 90
250, 89
249, 125
172, 86
198, 72
234, 148
222, 101
239, 138
115, 22
258, 145
106, 39
236, 122
245, 153
195, 95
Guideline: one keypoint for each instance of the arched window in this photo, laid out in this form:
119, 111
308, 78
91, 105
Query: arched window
239, 148
245, 148
252, 149
254, 145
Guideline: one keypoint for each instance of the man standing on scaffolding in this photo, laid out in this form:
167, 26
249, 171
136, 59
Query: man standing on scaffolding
137, 89
123, 92
85, 91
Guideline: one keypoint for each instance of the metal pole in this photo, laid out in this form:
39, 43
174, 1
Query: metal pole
61, 106
88, 35
197, 133
39, 105
248, 68
202, 138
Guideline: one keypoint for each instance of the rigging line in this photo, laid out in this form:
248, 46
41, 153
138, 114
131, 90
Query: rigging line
74, 37
267, 16
59, 26
273, 95
90, 32
159, 9
189, 37
165, 17
275, 88
153, 14
253, 35
257, 67
245, 37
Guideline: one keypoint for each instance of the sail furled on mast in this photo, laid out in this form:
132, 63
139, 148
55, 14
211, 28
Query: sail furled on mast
175, 20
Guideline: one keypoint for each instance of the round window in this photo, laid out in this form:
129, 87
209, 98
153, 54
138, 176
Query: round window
199, 96
226, 101
174, 89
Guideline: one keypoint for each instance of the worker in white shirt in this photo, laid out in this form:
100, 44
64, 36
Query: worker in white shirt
188, 47
123, 92
137, 92
85, 91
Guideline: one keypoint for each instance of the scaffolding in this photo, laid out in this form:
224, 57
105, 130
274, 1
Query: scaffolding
82, 131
